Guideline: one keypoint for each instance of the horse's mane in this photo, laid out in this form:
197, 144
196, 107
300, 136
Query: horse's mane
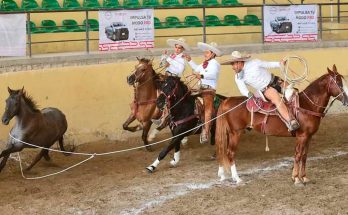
30, 102
156, 76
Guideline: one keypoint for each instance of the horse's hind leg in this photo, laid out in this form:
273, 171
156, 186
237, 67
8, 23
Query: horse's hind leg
61, 146
234, 137
36, 159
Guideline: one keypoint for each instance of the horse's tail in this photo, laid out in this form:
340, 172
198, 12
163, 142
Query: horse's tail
221, 137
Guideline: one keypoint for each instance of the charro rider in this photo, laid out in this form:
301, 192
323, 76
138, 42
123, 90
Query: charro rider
174, 64
208, 73
253, 72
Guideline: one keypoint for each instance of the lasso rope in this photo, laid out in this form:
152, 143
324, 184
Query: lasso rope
92, 155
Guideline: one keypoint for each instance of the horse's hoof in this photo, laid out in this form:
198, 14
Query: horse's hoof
213, 156
184, 141
238, 180
305, 180
298, 182
222, 178
150, 169
148, 148
173, 163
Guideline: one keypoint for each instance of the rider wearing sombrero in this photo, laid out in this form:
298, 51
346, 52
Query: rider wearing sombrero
253, 72
208, 73
174, 66
175, 62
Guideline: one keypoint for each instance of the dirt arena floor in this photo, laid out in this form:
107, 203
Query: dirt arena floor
119, 184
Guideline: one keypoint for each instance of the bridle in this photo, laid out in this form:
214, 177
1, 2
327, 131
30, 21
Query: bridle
138, 77
327, 107
172, 94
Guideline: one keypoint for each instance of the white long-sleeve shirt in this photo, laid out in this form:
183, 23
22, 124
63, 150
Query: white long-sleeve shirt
210, 73
254, 74
176, 64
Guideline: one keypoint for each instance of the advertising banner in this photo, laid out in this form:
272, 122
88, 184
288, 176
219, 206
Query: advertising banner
13, 34
126, 29
295, 23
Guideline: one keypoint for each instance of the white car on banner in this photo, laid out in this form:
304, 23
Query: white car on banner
126, 29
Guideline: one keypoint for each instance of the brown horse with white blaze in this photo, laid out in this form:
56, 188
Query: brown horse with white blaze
313, 101
143, 108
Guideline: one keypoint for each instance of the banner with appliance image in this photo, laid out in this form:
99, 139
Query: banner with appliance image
126, 29
294, 23
13, 34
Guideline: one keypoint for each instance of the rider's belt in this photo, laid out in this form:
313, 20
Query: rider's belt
274, 82
171, 74
205, 86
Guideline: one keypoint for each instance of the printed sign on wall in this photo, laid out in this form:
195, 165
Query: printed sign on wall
126, 29
295, 23
13, 34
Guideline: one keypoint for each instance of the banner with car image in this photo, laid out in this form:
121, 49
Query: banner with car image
13, 34
126, 29
295, 23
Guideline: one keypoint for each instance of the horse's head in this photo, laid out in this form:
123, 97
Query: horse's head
337, 86
13, 103
143, 70
172, 89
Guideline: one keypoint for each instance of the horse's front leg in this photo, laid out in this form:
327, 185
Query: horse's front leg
176, 158
10, 148
130, 119
299, 151
146, 128
163, 153
303, 162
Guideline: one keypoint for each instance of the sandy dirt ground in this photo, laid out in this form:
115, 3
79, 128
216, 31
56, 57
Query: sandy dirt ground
119, 184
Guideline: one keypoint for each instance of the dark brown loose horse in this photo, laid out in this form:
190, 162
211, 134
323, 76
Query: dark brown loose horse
313, 101
41, 128
143, 108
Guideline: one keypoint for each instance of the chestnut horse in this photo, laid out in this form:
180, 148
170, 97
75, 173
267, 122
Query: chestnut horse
144, 80
313, 101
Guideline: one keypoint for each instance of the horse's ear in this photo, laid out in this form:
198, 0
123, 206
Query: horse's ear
21, 91
151, 61
10, 91
137, 58
329, 71
334, 69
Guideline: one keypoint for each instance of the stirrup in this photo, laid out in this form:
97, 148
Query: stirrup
293, 125
156, 121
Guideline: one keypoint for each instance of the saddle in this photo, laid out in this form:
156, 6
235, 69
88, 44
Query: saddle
257, 104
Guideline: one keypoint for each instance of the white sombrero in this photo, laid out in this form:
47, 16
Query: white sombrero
235, 57
211, 47
180, 41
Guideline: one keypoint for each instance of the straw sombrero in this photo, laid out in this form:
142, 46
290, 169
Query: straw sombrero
235, 57
180, 41
211, 47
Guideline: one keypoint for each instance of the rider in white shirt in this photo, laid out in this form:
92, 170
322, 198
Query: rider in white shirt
174, 66
175, 62
253, 72
208, 73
